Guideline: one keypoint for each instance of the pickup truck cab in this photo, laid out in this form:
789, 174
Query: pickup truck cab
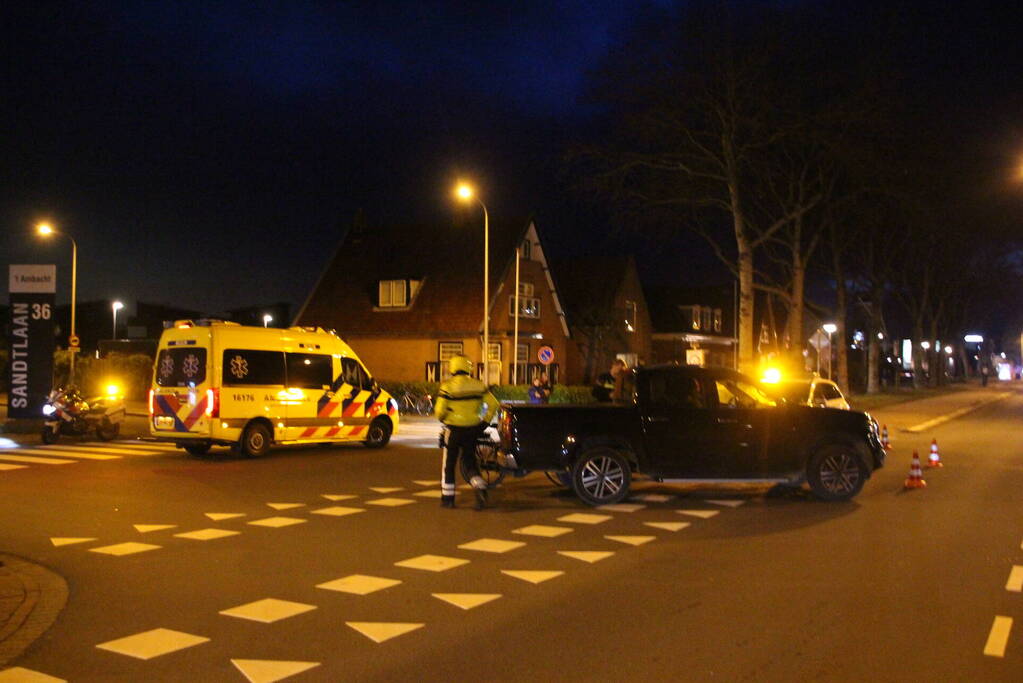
693, 424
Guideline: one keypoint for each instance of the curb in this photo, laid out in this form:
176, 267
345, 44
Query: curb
31, 598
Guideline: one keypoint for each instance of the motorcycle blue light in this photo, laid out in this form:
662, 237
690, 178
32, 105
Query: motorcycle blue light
48, 409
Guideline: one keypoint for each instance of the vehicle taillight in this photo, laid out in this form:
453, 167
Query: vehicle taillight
213, 403
504, 428
150, 403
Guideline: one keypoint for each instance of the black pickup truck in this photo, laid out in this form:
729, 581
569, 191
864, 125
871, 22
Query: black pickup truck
690, 423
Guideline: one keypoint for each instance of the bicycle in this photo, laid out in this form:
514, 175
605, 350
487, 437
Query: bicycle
415, 404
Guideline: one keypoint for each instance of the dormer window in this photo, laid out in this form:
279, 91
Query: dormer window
397, 293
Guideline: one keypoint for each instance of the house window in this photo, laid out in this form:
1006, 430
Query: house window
393, 293
522, 354
630, 316
495, 351
525, 250
694, 316
525, 289
705, 318
717, 319
445, 352
529, 306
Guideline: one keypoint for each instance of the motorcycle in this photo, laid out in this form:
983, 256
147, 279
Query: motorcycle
68, 412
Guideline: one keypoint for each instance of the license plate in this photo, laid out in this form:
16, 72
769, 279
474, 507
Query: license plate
164, 422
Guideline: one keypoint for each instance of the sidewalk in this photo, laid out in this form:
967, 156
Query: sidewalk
31, 598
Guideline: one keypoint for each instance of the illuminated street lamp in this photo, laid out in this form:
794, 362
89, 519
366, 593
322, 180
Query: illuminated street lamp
45, 229
267, 319
116, 306
466, 194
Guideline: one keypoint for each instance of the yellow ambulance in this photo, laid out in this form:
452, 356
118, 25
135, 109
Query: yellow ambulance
217, 382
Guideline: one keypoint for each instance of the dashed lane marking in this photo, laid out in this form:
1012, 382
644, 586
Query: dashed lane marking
379, 632
359, 584
268, 610
543, 530
277, 522
207, 534
631, 540
491, 545
337, 511
220, 516
727, 503
426, 482
147, 528
269, 670
149, 644
533, 576
20, 674
702, 514
998, 637
584, 518
433, 493
59, 541
668, 526
390, 502
432, 563
590, 556
7, 466
286, 506
335, 497
81, 455
622, 507
386, 489
467, 600
1015, 582
120, 549
35, 460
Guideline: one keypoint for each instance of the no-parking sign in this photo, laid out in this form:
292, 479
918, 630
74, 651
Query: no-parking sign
545, 355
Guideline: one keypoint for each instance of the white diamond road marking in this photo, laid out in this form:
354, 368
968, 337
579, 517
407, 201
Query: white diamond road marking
335, 497
379, 632
467, 601
148, 528
286, 506
631, 540
269, 670
432, 563
590, 556
584, 518
668, 526
427, 482
59, 541
435, 493
359, 584
492, 545
207, 534
337, 511
1015, 582
622, 507
20, 674
998, 637
149, 644
533, 577
220, 516
702, 514
390, 502
276, 522
653, 497
543, 530
386, 489
120, 549
727, 503
268, 610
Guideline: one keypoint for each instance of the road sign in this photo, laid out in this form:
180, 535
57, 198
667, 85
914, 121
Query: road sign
30, 338
73, 340
545, 355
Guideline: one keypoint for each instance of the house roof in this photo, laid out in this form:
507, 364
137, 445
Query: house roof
447, 258
591, 282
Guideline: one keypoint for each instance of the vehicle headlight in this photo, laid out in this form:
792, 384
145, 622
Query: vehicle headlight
49, 409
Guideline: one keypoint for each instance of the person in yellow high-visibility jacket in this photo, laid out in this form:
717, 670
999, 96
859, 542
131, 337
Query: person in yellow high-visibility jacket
460, 408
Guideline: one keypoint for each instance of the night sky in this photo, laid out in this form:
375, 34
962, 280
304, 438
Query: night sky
210, 154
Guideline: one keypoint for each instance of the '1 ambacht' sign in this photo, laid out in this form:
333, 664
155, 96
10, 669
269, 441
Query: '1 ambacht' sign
30, 366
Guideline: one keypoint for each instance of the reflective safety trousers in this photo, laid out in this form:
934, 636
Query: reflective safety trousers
460, 402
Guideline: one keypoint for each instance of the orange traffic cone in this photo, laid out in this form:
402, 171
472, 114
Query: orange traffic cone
934, 460
915, 480
884, 438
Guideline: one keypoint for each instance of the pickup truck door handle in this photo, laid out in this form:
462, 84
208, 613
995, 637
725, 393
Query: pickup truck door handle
727, 421
657, 419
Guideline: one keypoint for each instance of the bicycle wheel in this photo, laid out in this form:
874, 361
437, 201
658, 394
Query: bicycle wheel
486, 462
424, 406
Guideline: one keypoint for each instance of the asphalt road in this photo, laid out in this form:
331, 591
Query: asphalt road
693, 583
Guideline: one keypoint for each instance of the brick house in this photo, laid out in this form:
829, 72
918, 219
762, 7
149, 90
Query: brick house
408, 297
694, 326
607, 315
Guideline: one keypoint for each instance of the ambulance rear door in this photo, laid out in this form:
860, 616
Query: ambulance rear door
182, 395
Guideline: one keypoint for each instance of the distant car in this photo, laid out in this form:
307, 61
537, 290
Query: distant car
816, 392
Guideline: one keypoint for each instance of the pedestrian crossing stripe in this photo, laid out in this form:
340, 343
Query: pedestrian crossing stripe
8, 466
101, 448
68, 454
35, 460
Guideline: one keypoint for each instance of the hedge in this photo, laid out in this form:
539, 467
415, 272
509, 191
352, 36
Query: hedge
562, 393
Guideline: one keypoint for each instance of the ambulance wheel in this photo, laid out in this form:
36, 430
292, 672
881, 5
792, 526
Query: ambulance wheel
198, 449
379, 433
50, 435
255, 441
108, 431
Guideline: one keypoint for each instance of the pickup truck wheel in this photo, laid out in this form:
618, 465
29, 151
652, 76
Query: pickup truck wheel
601, 476
835, 472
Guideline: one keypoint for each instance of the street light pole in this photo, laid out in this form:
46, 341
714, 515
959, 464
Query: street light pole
47, 229
466, 193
